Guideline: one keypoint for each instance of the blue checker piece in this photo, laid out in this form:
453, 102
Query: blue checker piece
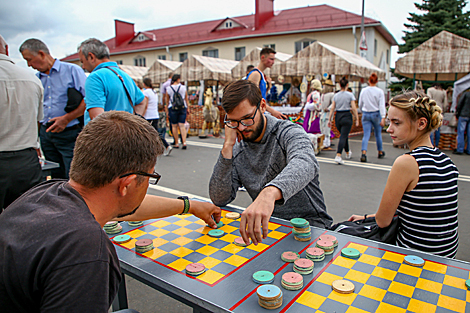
171, 227
170, 236
457, 272
223, 268
333, 306
437, 277
396, 300
363, 267
167, 258
425, 296
219, 244
406, 279
168, 247
394, 266
247, 253
221, 255
454, 292
366, 304
193, 235
194, 245
195, 257
379, 282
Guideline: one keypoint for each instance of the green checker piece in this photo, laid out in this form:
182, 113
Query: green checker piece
219, 224
299, 222
467, 283
350, 253
263, 277
216, 233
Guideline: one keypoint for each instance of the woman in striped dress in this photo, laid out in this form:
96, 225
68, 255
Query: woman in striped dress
422, 184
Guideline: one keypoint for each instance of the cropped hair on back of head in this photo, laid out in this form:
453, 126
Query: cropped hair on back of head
249, 68
417, 105
343, 82
95, 46
267, 51
373, 79
34, 45
175, 77
147, 82
113, 144
239, 90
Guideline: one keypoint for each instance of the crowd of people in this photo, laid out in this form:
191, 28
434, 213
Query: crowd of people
54, 252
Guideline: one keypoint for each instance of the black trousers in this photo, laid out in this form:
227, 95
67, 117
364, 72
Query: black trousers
343, 121
19, 171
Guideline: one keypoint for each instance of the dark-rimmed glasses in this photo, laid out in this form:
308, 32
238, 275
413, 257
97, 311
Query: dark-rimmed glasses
247, 121
153, 180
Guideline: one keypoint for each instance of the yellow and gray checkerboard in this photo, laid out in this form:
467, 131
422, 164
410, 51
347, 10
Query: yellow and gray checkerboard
384, 283
182, 239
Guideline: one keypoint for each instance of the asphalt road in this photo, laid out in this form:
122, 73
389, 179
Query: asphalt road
352, 188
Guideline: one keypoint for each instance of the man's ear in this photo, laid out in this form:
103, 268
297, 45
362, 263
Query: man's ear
42, 54
124, 183
262, 106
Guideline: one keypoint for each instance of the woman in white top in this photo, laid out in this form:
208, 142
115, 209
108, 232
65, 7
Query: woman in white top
372, 105
177, 116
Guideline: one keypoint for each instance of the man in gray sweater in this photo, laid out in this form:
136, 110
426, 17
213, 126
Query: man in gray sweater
273, 159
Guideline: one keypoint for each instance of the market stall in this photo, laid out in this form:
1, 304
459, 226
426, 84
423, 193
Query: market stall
135, 72
253, 58
161, 69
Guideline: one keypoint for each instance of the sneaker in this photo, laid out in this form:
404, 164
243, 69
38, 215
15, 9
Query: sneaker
363, 158
339, 160
168, 151
381, 154
349, 154
241, 188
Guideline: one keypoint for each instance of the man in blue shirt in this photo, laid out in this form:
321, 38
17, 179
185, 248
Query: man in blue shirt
108, 88
59, 129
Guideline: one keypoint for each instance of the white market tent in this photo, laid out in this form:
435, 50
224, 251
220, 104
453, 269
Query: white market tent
253, 58
135, 72
161, 69
320, 58
197, 68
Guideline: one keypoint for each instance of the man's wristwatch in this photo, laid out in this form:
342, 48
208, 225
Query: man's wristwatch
186, 204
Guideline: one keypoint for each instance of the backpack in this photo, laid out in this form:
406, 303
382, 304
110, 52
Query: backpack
177, 103
368, 228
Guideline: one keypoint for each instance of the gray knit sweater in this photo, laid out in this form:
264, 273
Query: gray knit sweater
285, 159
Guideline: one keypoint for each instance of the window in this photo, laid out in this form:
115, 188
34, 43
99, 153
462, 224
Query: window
139, 61
228, 24
239, 53
271, 45
141, 37
119, 62
183, 56
388, 56
375, 47
299, 45
161, 57
214, 53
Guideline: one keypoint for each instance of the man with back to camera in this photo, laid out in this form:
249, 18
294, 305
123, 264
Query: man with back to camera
59, 129
55, 254
21, 98
108, 88
256, 75
273, 159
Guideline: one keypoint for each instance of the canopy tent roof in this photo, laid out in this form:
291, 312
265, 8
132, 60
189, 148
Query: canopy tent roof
161, 69
444, 57
135, 72
320, 58
197, 68
253, 58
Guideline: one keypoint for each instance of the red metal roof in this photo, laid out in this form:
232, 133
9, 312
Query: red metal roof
311, 18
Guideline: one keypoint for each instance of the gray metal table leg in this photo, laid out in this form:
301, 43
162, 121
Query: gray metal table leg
120, 302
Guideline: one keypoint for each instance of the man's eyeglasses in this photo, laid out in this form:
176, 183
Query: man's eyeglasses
247, 121
153, 180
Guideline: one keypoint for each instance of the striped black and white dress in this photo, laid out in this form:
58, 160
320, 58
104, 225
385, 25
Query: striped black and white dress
428, 213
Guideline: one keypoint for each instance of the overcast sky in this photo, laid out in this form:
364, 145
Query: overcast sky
63, 24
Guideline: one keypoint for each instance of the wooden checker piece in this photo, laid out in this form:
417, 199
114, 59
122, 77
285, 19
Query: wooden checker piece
327, 245
240, 242
270, 305
330, 238
414, 260
292, 280
219, 224
263, 277
302, 239
269, 292
305, 230
135, 223
467, 284
143, 243
122, 239
350, 253
303, 263
195, 269
299, 222
232, 215
343, 286
217, 233
315, 254
289, 256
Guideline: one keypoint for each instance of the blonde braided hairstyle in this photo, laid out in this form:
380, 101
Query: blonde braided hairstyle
417, 105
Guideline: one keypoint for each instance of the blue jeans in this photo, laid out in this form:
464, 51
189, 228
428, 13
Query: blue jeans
436, 133
370, 119
462, 126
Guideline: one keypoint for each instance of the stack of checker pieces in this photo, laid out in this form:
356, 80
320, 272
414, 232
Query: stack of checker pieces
301, 229
195, 269
303, 266
269, 296
112, 228
143, 245
292, 281
327, 243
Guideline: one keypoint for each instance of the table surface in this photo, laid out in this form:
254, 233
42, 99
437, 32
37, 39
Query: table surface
383, 282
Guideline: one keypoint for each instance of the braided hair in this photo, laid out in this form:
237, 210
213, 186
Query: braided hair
417, 105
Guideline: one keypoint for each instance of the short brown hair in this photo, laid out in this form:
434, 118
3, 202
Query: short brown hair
112, 144
267, 51
239, 90
373, 78
147, 82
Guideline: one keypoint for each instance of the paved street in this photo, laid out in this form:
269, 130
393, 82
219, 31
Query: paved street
351, 188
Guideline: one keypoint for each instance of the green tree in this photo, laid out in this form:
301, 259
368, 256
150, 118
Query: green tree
438, 15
